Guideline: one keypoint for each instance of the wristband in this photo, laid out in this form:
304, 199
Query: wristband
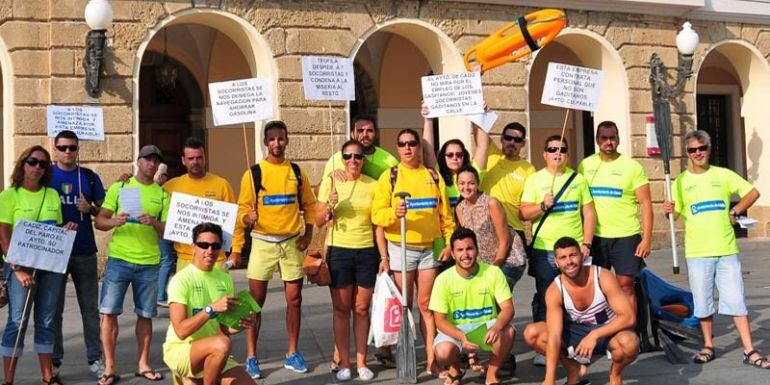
384, 258
542, 207
588, 245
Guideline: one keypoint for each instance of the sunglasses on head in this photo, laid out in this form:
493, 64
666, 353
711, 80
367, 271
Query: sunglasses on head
37, 162
71, 148
410, 143
357, 155
516, 139
553, 150
692, 150
207, 245
458, 155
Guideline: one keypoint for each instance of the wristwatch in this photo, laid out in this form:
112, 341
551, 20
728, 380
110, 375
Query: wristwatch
210, 311
733, 213
542, 206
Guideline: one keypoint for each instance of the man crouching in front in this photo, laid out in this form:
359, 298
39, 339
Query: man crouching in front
599, 319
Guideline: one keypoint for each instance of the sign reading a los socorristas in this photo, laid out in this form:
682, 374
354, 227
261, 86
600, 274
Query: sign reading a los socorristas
187, 211
328, 78
574, 87
453, 94
241, 101
40, 246
86, 122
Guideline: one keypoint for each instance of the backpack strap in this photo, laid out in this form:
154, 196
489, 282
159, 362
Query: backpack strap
393, 177
298, 175
91, 178
548, 212
256, 174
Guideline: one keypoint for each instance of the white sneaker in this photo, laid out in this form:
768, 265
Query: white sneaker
539, 360
365, 374
95, 369
343, 374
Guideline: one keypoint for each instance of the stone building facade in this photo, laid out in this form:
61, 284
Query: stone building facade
393, 43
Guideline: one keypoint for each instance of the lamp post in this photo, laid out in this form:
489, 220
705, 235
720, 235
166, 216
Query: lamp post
98, 14
686, 43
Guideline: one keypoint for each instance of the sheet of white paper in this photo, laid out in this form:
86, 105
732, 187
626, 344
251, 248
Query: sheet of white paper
746, 222
187, 211
485, 120
131, 201
328, 78
40, 246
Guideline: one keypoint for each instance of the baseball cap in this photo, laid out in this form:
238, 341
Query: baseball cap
150, 150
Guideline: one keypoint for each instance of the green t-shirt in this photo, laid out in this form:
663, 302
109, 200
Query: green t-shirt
197, 289
613, 186
39, 206
134, 242
566, 218
470, 300
703, 201
374, 165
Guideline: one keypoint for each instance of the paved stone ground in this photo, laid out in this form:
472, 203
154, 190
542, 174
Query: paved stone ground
316, 338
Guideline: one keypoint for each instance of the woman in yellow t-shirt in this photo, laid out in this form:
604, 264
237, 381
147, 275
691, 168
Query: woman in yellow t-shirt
29, 199
345, 208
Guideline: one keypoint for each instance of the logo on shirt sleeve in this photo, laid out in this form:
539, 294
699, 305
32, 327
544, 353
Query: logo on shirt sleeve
565, 206
278, 200
701, 207
421, 203
606, 192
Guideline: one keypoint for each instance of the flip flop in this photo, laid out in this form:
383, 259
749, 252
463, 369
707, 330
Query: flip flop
156, 376
109, 379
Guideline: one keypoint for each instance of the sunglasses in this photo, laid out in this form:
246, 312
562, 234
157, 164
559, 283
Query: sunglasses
553, 150
207, 245
692, 150
410, 143
44, 164
357, 155
71, 148
458, 155
516, 139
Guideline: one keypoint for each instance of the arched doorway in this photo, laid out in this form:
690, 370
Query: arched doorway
585, 49
197, 47
388, 86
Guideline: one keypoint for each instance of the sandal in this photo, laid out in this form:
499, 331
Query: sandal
334, 366
762, 362
109, 379
474, 365
451, 380
156, 376
707, 354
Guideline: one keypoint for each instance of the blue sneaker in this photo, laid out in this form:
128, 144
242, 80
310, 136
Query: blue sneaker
252, 367
295, 362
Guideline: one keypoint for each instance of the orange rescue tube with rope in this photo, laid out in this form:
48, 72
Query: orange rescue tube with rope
517, 39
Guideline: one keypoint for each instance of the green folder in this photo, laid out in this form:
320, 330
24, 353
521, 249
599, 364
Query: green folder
477, 337
247, 305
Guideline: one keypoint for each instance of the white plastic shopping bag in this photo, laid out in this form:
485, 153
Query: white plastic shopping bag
386, 313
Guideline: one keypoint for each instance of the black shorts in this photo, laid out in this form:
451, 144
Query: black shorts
353, 266
573, 333
617, 254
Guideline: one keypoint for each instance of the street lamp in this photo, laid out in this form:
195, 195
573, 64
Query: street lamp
98, 14
686, 43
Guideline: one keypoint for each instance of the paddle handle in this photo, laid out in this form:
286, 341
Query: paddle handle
404, 302
672, 228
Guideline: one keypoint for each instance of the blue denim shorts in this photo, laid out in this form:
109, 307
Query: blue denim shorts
118, 274
724, 273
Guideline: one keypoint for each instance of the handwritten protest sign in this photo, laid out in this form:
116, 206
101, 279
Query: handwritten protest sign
187, 211
328, 78
86, 122
572, 87
453, 94
40, 246
241, 101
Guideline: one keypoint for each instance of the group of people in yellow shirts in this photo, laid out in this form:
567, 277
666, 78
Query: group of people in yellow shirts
466, 248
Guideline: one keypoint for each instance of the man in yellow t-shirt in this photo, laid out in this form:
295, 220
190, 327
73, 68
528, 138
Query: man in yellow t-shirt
197, 345
619, 187
134, 257
200, 183
573, 215
273, 205
702, 197
467, 297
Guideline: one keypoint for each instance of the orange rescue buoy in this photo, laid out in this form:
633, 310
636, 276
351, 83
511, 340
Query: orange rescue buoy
517, 39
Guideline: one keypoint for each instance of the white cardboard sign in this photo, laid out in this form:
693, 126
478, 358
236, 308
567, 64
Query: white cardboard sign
574, 87
453, 94
328, 78
241, 101
41, 246
86, 122
484, 120
186, 211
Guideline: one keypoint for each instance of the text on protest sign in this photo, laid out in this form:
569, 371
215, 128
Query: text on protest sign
86, 122
328, 78
574, 87
241, 101
187, 211
453, 94
41, 246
